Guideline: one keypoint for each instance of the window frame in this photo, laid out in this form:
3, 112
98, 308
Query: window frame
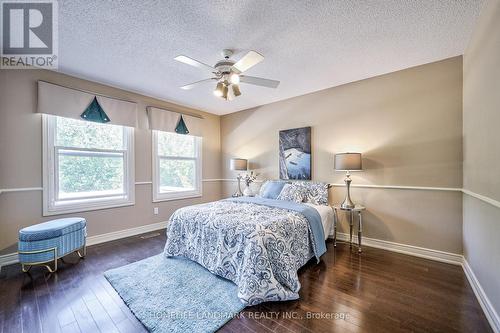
52, 204
175, 195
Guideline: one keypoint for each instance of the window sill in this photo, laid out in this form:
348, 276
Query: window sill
178, 197
84, 208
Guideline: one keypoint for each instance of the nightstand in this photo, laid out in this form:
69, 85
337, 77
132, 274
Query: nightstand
357, 209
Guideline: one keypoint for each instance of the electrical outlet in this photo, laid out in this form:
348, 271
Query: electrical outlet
156, 211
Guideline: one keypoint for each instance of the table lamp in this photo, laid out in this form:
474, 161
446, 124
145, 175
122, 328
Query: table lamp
238, 164
348, 162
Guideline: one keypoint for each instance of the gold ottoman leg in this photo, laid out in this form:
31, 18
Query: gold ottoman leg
41, 263
84, 251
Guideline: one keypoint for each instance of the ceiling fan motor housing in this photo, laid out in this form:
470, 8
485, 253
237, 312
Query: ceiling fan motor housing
227, 53
224, 66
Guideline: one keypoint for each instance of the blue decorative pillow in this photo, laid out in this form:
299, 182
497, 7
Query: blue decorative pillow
262, 189
271, 189
315, 192
292, 192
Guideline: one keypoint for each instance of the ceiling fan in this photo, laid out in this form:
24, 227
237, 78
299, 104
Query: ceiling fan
228, 73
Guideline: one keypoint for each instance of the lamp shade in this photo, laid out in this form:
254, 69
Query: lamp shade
348, 161
238, 164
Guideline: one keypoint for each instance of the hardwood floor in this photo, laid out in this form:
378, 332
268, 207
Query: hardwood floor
377, 291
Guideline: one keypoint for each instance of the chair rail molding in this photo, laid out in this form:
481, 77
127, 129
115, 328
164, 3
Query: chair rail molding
144, 183
481, 197
27, 189
390, 187
402, 187
20, 189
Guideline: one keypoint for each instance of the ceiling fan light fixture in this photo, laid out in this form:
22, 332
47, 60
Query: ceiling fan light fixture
225, 90
219, 89
236, 90
234, 78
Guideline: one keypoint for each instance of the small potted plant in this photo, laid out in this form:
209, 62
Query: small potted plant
249, 178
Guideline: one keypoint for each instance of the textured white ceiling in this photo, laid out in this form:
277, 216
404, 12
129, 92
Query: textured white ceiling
308, 45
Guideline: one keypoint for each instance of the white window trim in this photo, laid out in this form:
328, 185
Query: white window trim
88, 204
159, 197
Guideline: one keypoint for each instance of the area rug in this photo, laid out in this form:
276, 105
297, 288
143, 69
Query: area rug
175, 295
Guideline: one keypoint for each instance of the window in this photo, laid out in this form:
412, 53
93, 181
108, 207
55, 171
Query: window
87, 165
176, 166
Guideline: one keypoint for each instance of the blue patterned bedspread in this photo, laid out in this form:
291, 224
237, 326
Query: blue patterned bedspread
258, 245
311, 214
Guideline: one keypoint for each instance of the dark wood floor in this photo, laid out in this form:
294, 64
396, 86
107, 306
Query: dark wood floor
377, 291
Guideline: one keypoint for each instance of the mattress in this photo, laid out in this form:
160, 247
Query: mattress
326, 214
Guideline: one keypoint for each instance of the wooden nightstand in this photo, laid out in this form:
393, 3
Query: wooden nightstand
357, 209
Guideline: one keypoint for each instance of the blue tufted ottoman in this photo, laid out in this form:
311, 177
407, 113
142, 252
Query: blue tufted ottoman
43, 243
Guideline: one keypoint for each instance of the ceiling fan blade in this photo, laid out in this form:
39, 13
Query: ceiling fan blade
194, 84
195, 63
258, 81
249, 60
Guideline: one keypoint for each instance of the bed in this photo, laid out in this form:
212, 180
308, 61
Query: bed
257, 243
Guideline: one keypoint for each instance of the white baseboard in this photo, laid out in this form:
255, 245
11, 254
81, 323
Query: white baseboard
12, 258
8, 259
98, 239
446, 257
484, 301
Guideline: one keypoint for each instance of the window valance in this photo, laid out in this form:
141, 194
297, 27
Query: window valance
169, 121
71, 103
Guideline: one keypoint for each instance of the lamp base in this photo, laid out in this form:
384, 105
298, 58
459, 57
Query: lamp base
238, 193
347, 203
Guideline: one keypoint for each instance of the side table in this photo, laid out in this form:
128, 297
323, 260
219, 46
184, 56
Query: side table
357, 209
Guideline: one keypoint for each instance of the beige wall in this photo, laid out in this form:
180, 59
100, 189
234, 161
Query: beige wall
21, 157
481, 229
407, 124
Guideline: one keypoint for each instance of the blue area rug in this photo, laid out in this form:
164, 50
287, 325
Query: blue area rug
175, 295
